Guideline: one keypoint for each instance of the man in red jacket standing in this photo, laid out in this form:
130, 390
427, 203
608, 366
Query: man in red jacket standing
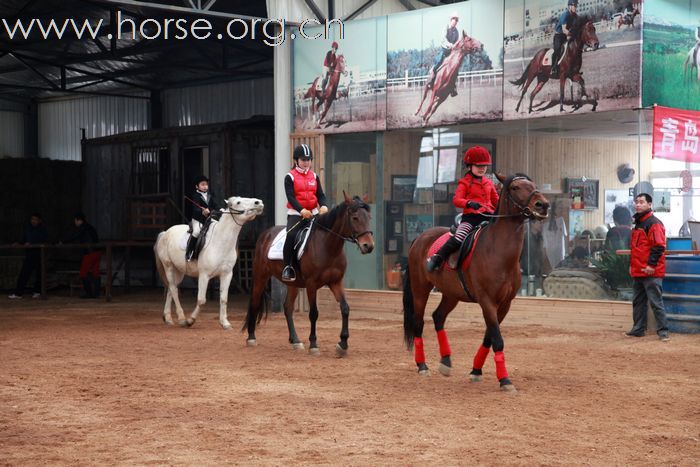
647, 268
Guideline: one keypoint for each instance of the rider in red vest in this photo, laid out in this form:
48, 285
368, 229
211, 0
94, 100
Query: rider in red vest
329, 64
305, 198
476, 195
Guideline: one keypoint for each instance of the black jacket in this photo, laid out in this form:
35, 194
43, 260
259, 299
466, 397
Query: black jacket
34, 236
197, 197
84, 234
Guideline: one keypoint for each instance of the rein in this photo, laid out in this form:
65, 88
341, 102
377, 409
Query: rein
353, 236
525, 210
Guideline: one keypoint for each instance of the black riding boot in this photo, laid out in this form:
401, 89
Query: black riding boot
443, 253
323, 83
191, 244
288, 274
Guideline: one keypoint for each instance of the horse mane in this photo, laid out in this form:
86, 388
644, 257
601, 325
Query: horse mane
328, 220
579, 23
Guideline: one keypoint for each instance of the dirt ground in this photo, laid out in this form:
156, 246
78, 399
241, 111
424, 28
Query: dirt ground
108, 383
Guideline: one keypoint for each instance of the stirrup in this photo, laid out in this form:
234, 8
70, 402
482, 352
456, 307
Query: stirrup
288, 274
434, 262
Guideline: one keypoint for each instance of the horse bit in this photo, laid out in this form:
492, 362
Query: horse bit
353, 236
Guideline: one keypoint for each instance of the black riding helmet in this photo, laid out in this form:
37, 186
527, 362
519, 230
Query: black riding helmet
303, 151
199, 179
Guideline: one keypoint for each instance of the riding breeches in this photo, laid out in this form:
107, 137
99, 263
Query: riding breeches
196, 227
294, 225
467, 224
559, 41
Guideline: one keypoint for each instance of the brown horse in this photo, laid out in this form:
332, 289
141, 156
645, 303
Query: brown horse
627, 19
323, 98
583, 33
323, 263
446, 78
492, 278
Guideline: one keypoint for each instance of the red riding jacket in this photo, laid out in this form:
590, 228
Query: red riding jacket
479, 189
648, 245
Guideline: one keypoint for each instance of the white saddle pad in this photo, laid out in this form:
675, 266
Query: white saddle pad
277, 247
182, 244
547, 59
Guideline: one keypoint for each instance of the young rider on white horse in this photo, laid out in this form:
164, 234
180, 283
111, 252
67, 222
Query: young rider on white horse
305, 198
202, 206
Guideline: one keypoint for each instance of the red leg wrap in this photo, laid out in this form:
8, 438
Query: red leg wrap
480, 357
444, 343
420, 353
500, 360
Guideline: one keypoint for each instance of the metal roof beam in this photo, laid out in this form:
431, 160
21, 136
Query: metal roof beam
36, 72
68, 91
362, 8
407, 5
315, 10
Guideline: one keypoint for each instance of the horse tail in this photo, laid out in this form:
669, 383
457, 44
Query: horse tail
256, 314
159, 263
523, 78
408, 311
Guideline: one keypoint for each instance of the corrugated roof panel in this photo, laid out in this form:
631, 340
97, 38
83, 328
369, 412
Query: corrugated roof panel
11, 134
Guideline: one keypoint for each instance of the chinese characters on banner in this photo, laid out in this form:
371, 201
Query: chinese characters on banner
676, 134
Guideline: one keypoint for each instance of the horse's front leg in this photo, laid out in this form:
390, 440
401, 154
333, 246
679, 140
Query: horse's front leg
341, 348
425, 94
202, 284
534, 92
313, 317
447, 304
493, 316
292, 293
224, 283
562, 84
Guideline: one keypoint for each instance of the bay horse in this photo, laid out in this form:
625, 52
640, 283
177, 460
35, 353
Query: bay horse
323, 98
492, 278
446, 78
323, 263
627, 19
582, 33
217, 259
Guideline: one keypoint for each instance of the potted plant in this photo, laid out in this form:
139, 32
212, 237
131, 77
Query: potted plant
615, 270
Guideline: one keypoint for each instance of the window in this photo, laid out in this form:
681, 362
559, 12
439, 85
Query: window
150, 169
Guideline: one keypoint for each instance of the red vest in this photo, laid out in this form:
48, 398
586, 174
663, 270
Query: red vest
648, 232
304, 189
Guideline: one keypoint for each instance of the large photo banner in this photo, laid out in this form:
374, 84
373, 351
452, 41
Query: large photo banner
571, 56
671, 54
340, 82
444, 65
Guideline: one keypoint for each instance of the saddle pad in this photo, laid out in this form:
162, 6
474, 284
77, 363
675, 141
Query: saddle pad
276, 249
452, 260
182, 244
547, 59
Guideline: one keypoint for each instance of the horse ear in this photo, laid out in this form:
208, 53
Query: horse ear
501, 178
347, 199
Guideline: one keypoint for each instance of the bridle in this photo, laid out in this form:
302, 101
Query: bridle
238, 212
354, 236
525, 210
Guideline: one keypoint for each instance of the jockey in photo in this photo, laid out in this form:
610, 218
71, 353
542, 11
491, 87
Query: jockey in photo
329, 64
449, 39
562, 33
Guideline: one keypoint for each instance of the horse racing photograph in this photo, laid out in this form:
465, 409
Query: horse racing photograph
596, 51
445, 65
339, 84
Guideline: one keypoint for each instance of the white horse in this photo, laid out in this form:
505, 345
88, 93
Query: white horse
217, 258
691, 61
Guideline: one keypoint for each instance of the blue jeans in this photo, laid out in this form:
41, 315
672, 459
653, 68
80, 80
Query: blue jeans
648, 290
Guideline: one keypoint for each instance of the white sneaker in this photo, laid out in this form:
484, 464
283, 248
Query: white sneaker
36, 295
14, 297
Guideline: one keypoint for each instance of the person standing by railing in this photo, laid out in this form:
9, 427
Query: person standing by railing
90, 262
34, 233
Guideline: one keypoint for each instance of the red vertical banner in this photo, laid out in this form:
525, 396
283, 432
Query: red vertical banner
675, 134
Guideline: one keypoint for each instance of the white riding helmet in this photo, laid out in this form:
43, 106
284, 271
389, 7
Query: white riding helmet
455, 15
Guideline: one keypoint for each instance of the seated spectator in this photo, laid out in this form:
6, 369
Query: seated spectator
577, 259
618, 238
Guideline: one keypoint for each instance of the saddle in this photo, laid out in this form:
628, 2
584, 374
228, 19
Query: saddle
460, 259
200, 241
301, 239
547, 59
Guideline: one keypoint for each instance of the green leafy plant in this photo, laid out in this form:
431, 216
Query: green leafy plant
615, 269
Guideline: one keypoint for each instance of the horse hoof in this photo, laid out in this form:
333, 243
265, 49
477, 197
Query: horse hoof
509, 388
227, 326
251, 343
190, 322
444, 370
340, 352
315, 351
298, 346
424, 372
476, 378
183, 323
